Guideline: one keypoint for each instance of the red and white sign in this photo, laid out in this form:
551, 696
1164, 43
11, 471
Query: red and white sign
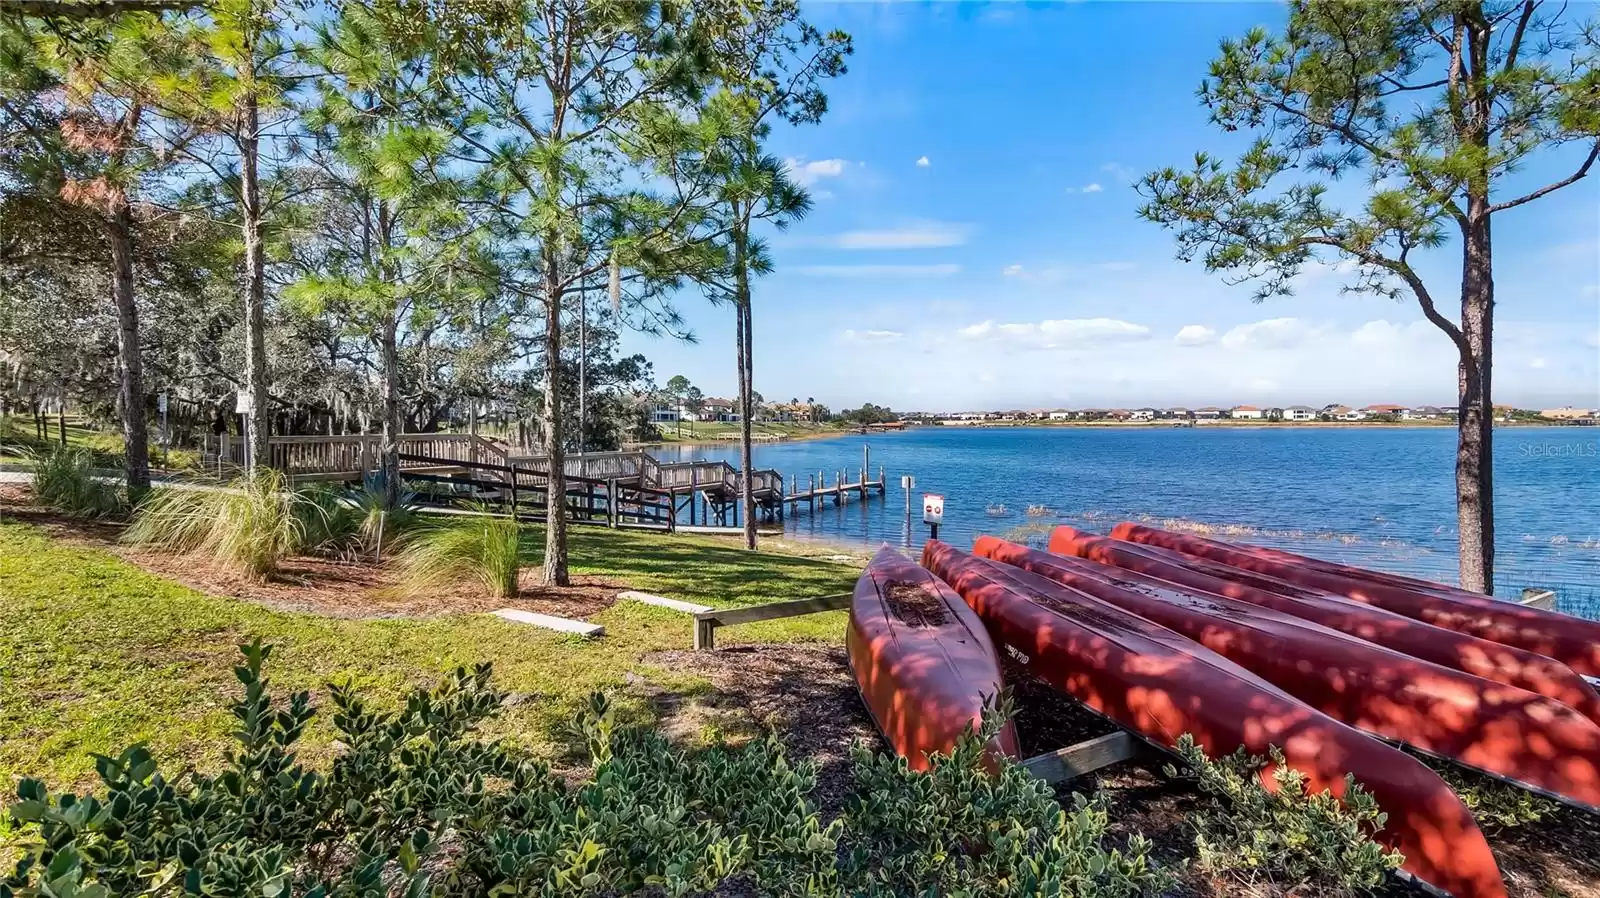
932, 508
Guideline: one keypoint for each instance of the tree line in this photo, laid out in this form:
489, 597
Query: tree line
383, 215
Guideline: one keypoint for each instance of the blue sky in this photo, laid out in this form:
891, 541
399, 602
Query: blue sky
974, 241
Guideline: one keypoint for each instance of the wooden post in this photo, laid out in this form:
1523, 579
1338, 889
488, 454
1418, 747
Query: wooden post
883, 485
223, 453
838, 487
811, 492
694, 490
514, 513
705, 634
611, 503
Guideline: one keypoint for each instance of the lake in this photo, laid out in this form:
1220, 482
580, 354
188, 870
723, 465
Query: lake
1382, 497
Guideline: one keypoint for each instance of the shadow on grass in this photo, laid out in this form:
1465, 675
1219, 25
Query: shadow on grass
688, 566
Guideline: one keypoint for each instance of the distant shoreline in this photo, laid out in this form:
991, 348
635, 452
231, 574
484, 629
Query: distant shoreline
796, 437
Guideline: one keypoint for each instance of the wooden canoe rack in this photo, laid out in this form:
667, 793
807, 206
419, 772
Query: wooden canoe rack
1052, 767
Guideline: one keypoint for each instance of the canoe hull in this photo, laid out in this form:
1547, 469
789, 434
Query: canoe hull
1161, 685
1451, 648
1572, 641
922, 660
1504, 731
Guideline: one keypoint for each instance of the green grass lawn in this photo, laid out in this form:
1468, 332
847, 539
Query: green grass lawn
96, 653
693, 431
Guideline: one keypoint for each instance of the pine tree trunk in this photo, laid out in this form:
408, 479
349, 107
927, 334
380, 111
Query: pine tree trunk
555, 534
389, 451
1475, 415
741, 302
135, 437
255, 302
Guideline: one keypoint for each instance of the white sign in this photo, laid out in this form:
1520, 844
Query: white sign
241, 403
161, 403
907, 481
932, 508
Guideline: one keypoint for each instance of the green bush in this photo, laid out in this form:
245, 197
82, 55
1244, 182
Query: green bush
418, 804
1495, 805
1313, 841
484, 548
64, 479
959, 829
249, 524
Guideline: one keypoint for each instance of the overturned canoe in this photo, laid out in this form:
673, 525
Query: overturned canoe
1451, 648
922, 660
1501, 730
1572, 641
1161, 685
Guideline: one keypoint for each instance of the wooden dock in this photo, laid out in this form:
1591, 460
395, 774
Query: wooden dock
817, 489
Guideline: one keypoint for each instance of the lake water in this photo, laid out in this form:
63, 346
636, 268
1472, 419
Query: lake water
1382, 497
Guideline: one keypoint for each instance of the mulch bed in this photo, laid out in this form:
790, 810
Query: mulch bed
807, 695
352, 588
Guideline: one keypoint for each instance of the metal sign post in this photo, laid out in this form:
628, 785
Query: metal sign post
906, 483
932, 513
166, 439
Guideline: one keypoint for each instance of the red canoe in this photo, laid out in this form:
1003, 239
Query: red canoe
1451, 648
922, 659
1161, 685
1504, 731
1572, 641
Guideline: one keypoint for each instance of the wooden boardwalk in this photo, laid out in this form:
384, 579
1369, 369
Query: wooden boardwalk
631, 487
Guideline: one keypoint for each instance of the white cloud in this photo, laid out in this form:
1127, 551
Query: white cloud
1092, 187
1539, 364
1273, 333
915, 235
1055, 273
1122, 173
870, 336
922, 162
871, 271
1590, 290
1057, 333
1195, 335
807, 173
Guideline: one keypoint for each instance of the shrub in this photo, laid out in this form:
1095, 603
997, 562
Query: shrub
960, 830
483, 549
64, 479
327, 521
419, 805
1322, 845
249, 524
1495, 805
649, 818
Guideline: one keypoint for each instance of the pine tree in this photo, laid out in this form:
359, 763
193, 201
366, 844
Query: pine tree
774, 72
1435, 103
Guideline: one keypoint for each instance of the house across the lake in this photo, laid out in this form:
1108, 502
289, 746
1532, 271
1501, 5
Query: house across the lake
1208, 413
1298, 413
1245, 413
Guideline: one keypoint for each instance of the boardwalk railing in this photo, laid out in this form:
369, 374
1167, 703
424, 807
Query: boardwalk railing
346, 455
519, 492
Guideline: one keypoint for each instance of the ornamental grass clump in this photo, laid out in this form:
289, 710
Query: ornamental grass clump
248, 525
485, 549
1313, 842
64, 479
